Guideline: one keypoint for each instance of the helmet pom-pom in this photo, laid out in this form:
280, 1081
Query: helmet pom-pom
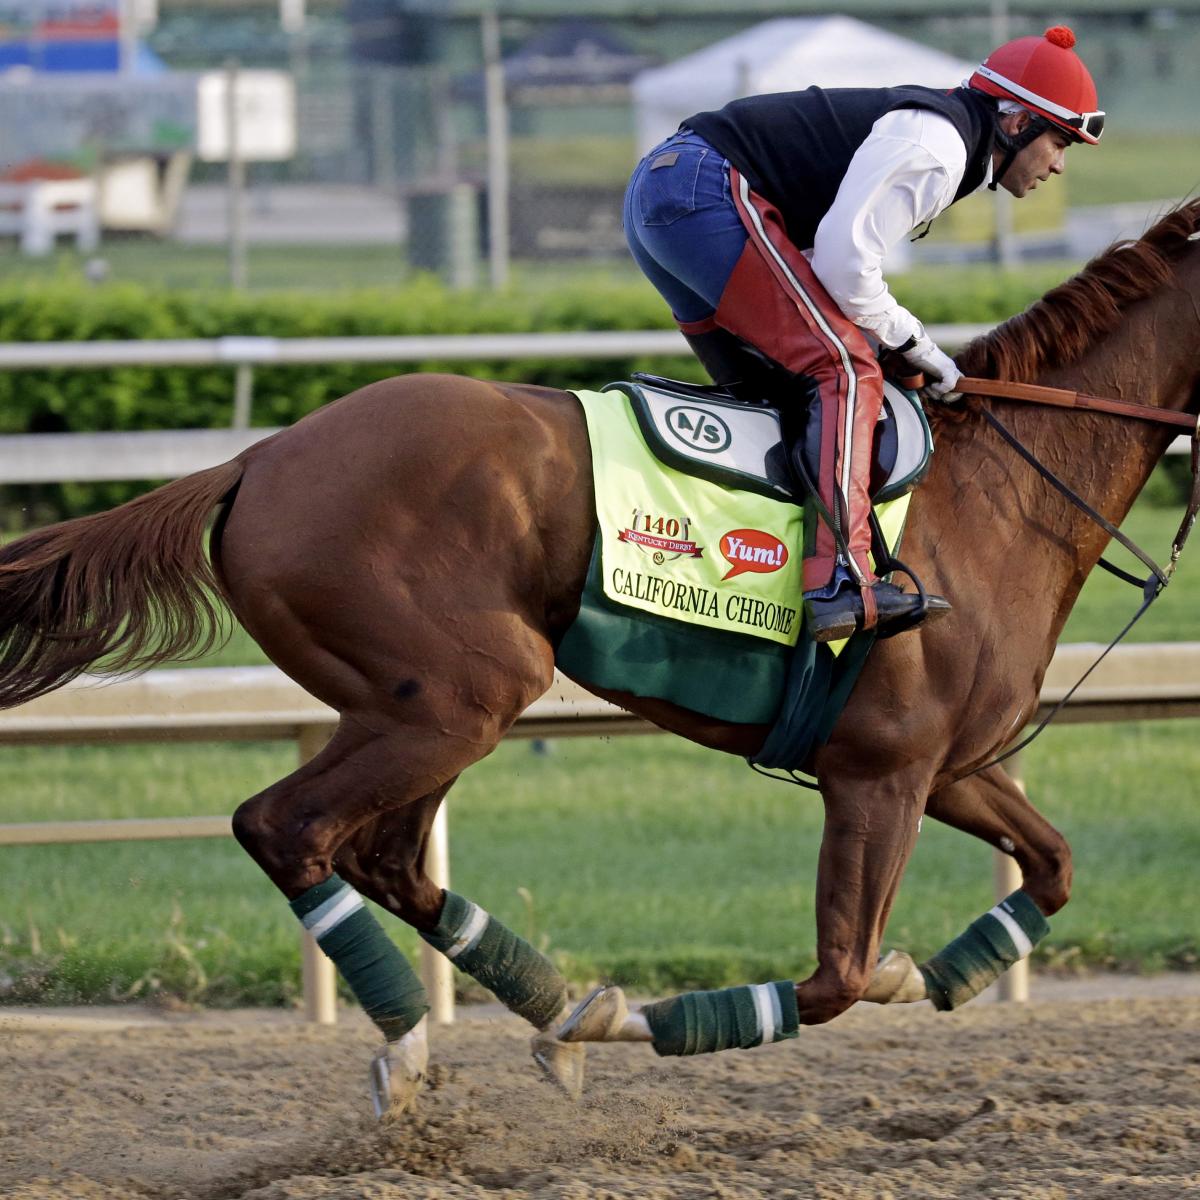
1060, 35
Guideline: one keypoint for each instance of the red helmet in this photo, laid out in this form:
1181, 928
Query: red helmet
1046, 76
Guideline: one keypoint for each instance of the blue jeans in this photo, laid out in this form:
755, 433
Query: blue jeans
682, 226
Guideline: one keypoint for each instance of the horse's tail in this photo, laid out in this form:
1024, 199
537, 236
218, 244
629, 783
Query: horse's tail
130, 587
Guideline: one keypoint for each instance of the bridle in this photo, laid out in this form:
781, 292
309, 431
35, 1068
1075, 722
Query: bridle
1151, 586
1064, 398
1159, 577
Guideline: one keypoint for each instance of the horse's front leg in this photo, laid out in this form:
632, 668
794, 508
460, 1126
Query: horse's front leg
992, 807
870, 830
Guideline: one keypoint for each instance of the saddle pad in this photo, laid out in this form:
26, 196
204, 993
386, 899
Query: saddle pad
687, 548
740, 445
794, 686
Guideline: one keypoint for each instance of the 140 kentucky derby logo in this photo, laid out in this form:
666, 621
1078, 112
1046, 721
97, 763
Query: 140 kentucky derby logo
662, 538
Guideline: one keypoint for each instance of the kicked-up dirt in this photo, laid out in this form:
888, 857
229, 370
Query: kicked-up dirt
1045, 1101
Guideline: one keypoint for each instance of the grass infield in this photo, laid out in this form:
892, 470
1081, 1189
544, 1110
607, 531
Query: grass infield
646, 860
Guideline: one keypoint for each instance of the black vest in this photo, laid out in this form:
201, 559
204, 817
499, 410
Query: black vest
794, 148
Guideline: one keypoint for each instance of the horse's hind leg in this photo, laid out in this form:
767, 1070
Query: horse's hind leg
385, 860
990, 806
293, 831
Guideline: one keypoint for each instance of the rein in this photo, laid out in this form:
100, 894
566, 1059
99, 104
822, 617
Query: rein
1159, 577
1064, 398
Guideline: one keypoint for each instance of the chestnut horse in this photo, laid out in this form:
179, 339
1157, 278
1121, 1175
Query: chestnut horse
412, 553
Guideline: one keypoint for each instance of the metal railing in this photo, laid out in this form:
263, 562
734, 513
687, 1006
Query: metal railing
168, 454
245, 353
1138, 682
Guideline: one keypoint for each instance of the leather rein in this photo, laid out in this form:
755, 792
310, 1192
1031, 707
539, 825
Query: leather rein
1159, 577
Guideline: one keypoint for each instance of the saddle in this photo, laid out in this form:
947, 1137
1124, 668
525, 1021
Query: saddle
707, 431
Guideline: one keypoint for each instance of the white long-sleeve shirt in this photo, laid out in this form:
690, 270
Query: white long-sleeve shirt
906, 172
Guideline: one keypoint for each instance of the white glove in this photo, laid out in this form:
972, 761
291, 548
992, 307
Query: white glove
940, 372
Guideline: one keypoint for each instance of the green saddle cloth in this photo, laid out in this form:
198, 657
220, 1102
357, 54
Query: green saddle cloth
775, 676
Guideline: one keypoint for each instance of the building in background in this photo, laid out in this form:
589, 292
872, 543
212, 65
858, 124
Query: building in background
784, 55
389, 101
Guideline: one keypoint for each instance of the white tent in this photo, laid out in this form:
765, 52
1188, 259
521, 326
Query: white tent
784, 55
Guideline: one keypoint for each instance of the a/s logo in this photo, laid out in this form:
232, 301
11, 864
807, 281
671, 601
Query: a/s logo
698, 429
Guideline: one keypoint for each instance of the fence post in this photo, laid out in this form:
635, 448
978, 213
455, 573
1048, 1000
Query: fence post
319, 976
436, 972
243, 395
1013, 985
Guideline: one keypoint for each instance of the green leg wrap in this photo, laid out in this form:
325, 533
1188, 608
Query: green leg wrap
507, 965
730, 1019
984, 952
378, 974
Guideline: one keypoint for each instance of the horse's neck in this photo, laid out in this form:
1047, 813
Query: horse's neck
1151, 359
1034, 537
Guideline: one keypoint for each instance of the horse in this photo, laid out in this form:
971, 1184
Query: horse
412, 553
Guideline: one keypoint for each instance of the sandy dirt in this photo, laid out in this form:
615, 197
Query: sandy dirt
1047, 1101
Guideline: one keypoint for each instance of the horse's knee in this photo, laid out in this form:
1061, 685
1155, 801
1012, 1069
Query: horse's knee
1048, 873
826, 995
250, 827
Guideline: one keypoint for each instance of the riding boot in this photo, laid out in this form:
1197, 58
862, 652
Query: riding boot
840, 609
733, 364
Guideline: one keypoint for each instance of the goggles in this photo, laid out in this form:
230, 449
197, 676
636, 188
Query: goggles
1090, 123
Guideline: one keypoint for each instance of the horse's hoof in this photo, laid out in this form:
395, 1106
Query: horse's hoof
397, 1072
598, 1017
896, 980
561, 1064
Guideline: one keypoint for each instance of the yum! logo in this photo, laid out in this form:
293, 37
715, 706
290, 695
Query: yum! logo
752, 550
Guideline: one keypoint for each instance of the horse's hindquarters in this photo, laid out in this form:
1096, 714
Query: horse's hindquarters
419, 537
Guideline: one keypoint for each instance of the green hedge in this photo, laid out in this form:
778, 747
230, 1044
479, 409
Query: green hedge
194, 397
201, 397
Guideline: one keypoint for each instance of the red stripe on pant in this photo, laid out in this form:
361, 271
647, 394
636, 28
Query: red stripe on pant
775, 302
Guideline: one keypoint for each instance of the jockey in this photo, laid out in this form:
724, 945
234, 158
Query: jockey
764, 226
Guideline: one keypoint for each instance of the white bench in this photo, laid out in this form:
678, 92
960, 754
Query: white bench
40, 210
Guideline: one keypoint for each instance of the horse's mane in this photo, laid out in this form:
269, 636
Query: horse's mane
1057, 329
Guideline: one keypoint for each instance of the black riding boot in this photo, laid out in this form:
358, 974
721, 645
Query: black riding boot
746, 373
837, 611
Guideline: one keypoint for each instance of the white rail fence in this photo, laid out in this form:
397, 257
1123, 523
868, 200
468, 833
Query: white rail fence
256, 703
63, 457
168, 454
469, 347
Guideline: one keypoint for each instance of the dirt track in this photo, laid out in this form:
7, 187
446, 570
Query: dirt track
1048, 1101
